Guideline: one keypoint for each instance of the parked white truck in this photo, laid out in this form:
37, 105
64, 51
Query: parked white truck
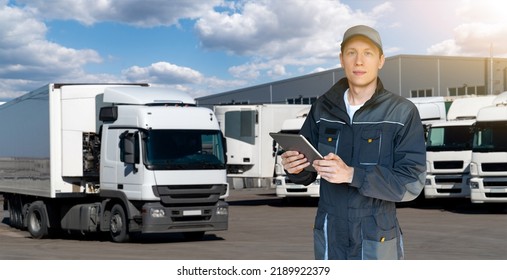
489, 154
449, 149
285, 188
431, 110
250, 155
117, 158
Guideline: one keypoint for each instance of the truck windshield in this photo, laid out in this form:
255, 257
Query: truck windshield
183, 149
490, 137
450, 138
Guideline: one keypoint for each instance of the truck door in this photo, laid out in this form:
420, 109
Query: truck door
130, 169
121, 167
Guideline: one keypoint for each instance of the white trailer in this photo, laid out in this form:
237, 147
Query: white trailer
250, 149
489, 154
449, 149
285, 188
117, 158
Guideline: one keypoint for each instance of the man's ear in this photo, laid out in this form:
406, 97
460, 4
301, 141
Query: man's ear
382, 61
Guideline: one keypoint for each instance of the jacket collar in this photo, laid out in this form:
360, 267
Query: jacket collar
333, 98
342, 85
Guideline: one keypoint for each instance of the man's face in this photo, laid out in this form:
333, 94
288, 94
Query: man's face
361, 60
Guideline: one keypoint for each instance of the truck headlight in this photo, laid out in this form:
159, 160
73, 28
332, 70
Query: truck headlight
428, 182
222, 211
157, 213
474, 185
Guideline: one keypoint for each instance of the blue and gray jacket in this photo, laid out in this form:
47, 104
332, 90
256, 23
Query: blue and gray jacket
384, 143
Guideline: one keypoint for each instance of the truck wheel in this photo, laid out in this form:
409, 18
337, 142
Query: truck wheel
15, 213
37, 220
13, 218
118, 224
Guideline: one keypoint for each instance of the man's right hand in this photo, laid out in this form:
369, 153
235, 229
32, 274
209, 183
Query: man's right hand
293, 162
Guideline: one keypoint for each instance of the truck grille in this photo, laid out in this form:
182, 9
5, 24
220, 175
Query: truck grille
297, 190
189, 194
439, 180
494, 166
495, 184
496, 195
451, 164
177, 216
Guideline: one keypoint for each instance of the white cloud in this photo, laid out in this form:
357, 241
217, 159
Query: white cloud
27, 58
183, 78
277, 39
274, 28
146, 13
278, 34
484, 24
278, 70
163, 72
447, 47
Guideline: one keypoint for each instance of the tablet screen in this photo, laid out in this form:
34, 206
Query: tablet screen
297, 142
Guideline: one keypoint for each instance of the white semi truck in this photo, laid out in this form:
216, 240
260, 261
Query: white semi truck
117, 158
431, 110
489, 154
250, 155
285, 188
449, 149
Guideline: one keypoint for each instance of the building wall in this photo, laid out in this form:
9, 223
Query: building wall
306, 86
460, 73
279, 92
427, 75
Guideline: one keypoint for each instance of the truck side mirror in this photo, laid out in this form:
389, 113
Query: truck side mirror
108, 114
129, 143
224, 143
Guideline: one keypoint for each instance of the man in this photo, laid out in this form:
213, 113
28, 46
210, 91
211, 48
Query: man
374, 155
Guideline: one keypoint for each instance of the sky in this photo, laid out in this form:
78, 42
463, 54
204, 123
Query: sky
206, 47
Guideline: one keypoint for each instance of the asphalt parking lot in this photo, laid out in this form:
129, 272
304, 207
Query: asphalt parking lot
264, 227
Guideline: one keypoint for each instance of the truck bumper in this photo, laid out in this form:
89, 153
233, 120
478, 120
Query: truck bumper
160, 219
447, 186
488, 190
285, 188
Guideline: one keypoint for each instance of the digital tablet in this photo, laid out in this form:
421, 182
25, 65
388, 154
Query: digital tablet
297, 142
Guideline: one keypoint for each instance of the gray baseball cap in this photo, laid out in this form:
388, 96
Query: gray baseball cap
365, 31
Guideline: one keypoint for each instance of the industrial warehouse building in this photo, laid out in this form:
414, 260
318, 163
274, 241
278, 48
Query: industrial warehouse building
409, 75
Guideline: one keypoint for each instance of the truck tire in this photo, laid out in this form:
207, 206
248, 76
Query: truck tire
118, 222
15, 212
13, 217
37, 220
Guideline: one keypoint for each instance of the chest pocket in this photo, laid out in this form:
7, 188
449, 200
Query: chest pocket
369, 147
329, 138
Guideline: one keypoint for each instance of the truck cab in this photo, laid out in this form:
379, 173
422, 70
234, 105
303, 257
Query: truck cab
489, 154
449, 149
284, 188
165, 170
